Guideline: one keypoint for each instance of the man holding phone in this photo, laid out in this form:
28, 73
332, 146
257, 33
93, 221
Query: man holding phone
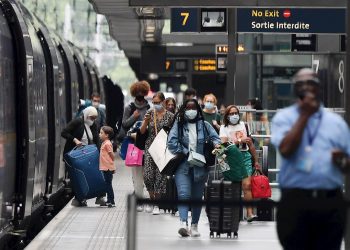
310, 140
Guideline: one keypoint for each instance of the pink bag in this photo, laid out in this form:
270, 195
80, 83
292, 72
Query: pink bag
134, 156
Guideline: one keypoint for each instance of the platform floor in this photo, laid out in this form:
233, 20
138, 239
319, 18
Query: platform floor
96, 227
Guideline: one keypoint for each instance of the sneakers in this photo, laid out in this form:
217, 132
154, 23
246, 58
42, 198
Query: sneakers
101, 201
194, 230
139, 208
183, 230
110, 204
252, 218
149, 208
77, 203
155, 210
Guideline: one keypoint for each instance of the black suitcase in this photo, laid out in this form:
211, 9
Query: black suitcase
171, 194
223, 219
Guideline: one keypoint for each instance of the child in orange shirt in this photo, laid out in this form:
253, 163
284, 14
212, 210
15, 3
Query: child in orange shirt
107, 162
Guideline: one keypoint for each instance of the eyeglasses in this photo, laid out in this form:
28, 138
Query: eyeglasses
209, 101
156, 103
233, 113
92, 118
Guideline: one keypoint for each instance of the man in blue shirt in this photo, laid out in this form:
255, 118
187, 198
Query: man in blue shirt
306, 135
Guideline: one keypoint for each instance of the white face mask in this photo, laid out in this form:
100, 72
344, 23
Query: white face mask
233, 119
191, 114
89, 122
158, 107
209, 105
96, 104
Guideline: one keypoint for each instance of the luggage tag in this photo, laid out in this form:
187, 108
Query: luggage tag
304, 162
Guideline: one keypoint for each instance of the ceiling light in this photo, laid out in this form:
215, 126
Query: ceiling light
207, 19
179, 44
220, 18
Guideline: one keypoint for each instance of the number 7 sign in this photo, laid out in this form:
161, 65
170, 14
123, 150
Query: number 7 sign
184, 20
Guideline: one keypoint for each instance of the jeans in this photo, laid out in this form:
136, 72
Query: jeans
187, 189
108, 178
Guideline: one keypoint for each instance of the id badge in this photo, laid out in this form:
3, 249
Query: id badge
304, 163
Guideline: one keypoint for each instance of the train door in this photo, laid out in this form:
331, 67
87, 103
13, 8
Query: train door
8, 135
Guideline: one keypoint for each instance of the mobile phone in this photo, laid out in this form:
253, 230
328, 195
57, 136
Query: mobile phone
301, 95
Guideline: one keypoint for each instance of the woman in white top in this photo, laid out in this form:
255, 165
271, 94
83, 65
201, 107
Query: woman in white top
235, 131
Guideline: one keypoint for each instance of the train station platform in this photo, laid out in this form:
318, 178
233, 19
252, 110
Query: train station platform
95, 227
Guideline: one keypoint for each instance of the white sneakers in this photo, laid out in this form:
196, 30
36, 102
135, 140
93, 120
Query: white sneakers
194, 230
183, 230
139, 208
149, 208
156, 210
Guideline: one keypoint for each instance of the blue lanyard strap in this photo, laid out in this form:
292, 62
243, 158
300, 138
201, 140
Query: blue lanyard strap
311, 136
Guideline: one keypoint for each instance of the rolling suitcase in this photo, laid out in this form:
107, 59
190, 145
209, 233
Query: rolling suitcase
83, 169
223, 219
171, 194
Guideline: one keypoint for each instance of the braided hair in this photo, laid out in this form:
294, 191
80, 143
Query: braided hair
180, 115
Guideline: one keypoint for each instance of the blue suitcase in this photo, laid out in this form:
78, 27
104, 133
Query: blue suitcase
83, 168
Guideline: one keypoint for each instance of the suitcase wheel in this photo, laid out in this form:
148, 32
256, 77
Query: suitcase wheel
235, 235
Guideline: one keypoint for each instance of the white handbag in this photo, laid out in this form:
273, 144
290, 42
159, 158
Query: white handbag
196, 159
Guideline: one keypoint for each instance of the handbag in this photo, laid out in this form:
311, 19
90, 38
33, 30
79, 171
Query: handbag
260, 185
166, 161
196, 159
140, 141
208, 149
134, 156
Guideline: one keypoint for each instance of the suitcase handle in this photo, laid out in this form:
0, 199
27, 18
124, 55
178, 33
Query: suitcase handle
79, 146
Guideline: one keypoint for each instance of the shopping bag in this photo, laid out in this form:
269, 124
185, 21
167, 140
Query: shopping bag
134, 156
124, 147
166, 161
260, 185
234, 158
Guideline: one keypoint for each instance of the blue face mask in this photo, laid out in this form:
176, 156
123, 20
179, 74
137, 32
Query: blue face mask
158, 107
191, 114
233, 119
209, 105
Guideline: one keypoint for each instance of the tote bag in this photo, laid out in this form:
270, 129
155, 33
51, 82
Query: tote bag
166, 161
134, 156
260, 185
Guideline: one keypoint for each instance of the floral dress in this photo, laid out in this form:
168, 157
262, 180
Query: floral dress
154, 180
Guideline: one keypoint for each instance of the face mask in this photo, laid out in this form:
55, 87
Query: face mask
95, 104
172, 110
191, 114
209, 105
140, 98
89, 122
158, 107
234, 119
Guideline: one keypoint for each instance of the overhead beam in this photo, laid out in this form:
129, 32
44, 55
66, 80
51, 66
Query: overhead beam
239, 3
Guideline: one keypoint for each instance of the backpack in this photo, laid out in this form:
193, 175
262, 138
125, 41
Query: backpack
122, 130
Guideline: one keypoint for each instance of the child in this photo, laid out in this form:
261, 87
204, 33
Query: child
107, 162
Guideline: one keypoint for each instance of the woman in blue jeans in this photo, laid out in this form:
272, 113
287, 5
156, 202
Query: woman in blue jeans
188, 134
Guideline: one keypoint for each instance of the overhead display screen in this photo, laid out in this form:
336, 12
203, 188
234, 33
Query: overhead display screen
293, 20
204, 64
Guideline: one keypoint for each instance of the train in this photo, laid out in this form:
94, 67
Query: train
42, 79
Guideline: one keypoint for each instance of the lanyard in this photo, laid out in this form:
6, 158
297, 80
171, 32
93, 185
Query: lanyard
311, 136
